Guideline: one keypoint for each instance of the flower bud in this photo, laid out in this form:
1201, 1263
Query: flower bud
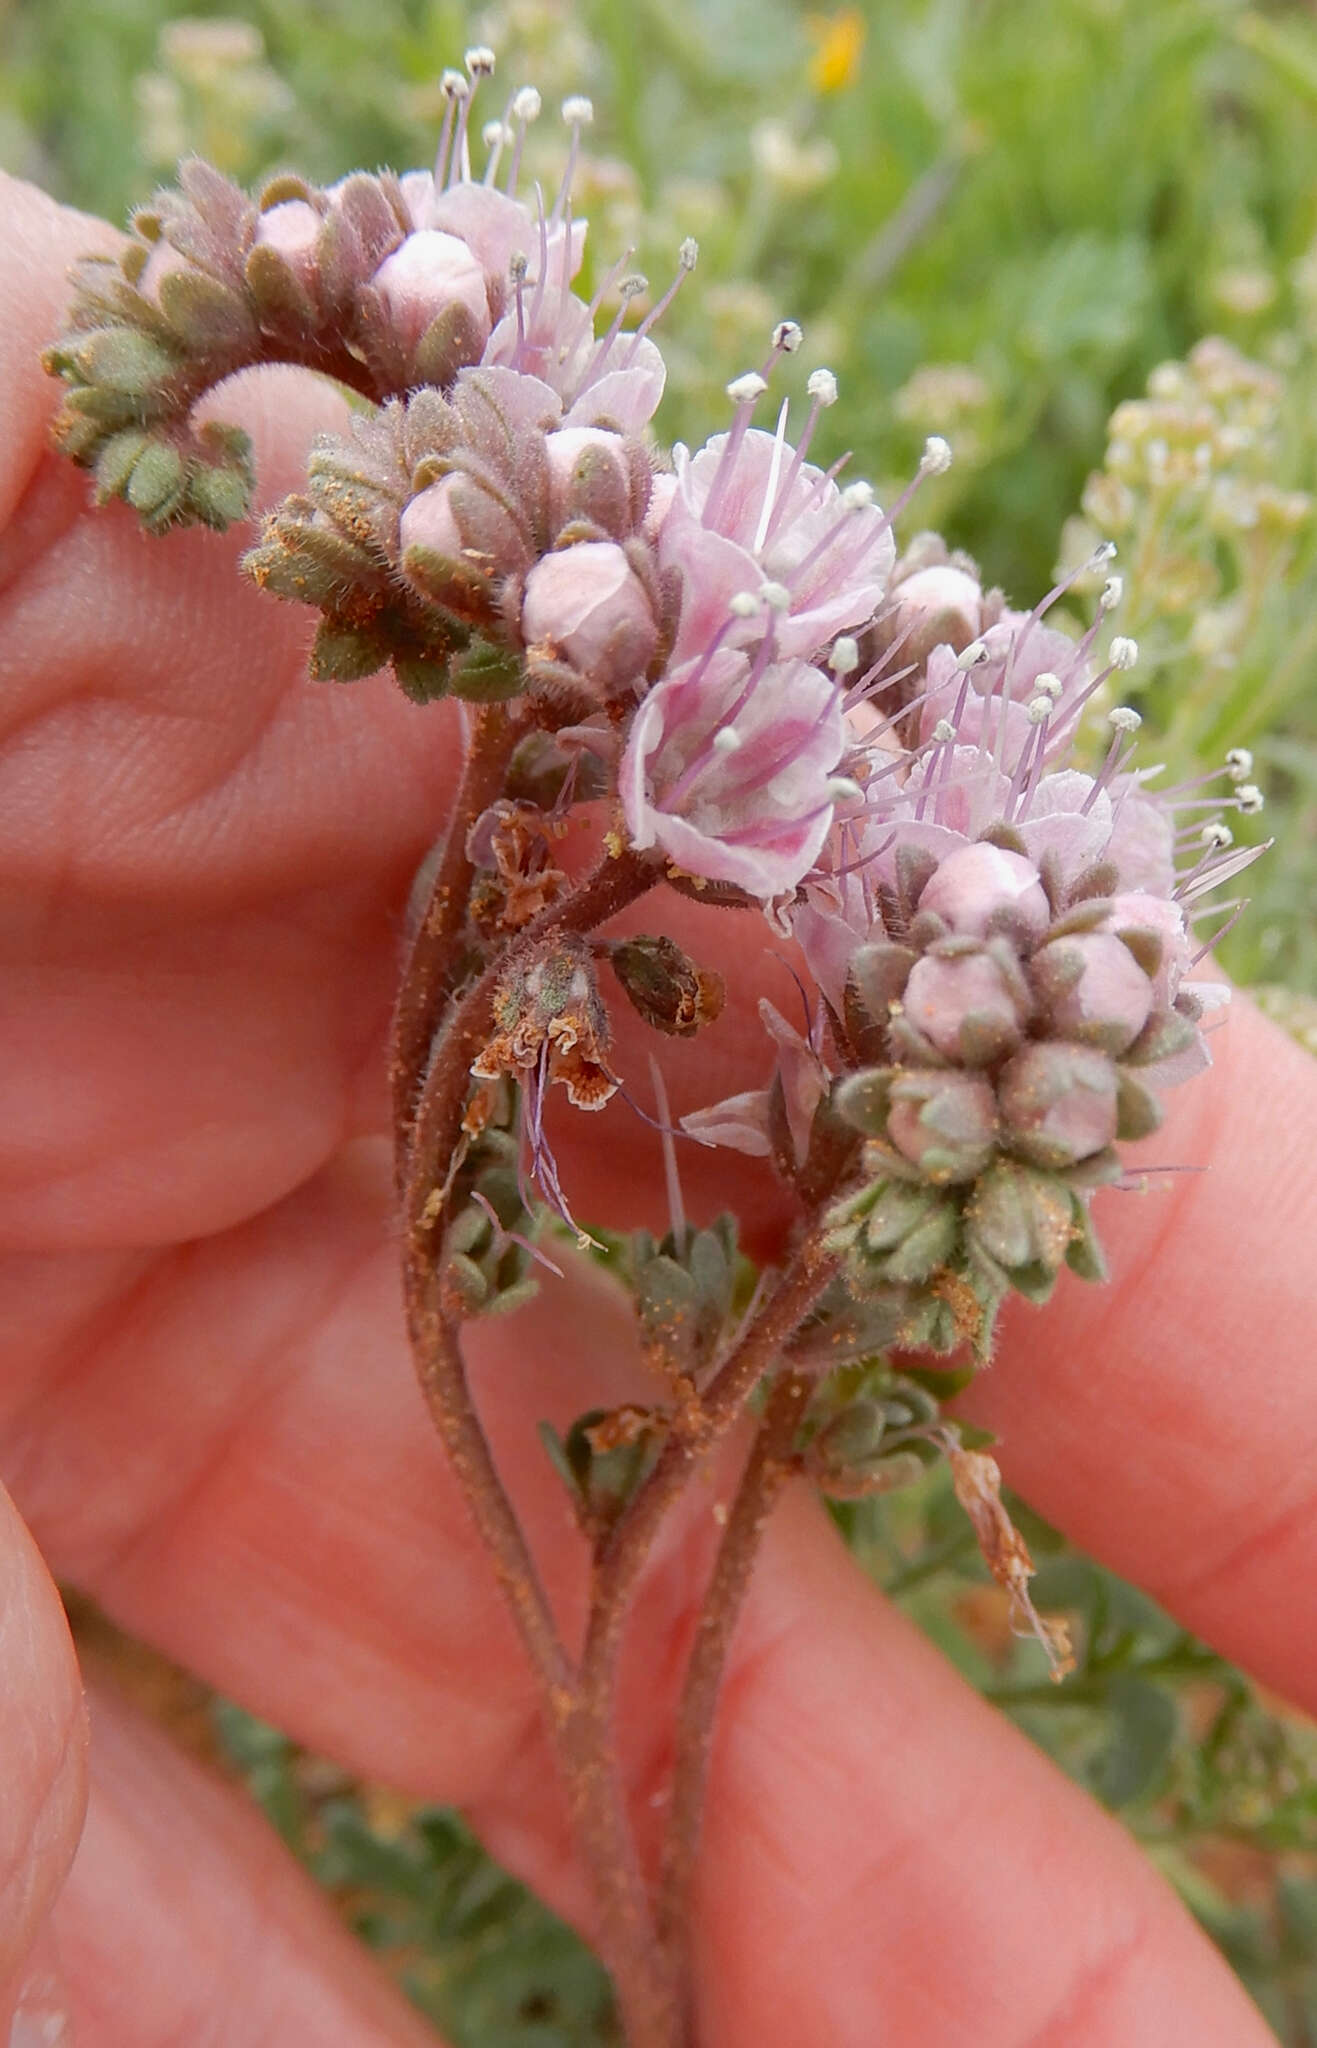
587, 606
1094, 989
945, 1124
937, 605
1138, 911
907, 1232
984, 886
292, 230
428, 521
1022, 1218
664, 984
964, 1006
587, 478
164, 261
1058, 1103
425, 275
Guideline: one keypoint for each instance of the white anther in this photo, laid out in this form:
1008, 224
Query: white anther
1124, 718
526, 104
839, 787
726, 740
822, 387
1239, 764
943, 731
1112, 592
746, 389
845, 656
1217, 835
454, 87
518, 266
972, 656
776, 596
689, 253
1105, 552
857, 497
578, 111
1249, 799
634, 286
495, 136
936, 458
1048, 684
788, 335
480, 61
745, 604
1039, 710
1123, 653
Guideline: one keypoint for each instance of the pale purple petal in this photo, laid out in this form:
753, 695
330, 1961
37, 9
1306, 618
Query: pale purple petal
740, 1124
729, 769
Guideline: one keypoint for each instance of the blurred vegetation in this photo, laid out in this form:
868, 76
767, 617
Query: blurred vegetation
1012, 222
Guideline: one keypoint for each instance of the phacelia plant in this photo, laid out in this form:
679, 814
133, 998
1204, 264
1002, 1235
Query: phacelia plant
773, 703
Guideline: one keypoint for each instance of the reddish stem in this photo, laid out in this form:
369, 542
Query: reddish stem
628, 1942
767, 1470
429, 978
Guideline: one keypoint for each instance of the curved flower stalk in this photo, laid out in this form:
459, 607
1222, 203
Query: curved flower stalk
870, 753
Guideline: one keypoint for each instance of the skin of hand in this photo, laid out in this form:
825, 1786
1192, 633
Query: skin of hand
208, 1420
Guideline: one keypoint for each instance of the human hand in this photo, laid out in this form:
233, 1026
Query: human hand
208, 1422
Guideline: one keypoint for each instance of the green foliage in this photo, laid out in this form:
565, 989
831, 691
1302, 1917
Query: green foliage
476, 1952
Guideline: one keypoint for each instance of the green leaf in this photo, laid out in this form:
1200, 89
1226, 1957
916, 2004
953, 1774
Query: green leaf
1147, 1722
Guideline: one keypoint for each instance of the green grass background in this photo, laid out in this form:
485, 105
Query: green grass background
995, 219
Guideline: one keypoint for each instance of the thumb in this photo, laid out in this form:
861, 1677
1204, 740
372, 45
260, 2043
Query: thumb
42, 1750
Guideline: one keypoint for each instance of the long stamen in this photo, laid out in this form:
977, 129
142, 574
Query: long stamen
610, 279
542, 272
517, 269
687, 257
717, 743
497, 143
578, 113
632, 287
454, 88
822, 391
935, 461
525, 108
1100, 556
1122, 721
495, 135
1220, 931
1039, 710
480, 64
745, 393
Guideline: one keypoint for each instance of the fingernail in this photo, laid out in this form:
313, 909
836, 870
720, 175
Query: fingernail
41, 2017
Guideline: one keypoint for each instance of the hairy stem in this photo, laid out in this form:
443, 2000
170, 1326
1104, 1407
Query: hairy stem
695, 1431
428, 979
592, 1728
628, 1941
441, 1370
767, 1469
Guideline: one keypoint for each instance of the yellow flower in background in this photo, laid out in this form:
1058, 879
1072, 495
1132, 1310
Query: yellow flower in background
838, 46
